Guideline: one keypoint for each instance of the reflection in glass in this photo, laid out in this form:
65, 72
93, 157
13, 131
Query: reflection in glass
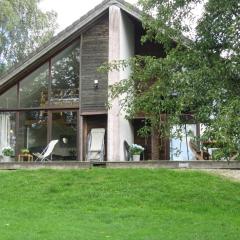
32, 132
7, 130
65, 76
179, 146
9, 98
34, 88
64, 128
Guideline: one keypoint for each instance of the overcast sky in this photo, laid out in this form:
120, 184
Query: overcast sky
70, 10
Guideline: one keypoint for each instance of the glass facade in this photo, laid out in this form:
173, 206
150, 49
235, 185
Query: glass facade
31, 121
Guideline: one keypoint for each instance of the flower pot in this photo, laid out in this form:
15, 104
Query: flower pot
6, 159
136, 157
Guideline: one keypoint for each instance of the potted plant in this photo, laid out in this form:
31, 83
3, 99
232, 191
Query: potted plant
135, 151
24, 151
7, 154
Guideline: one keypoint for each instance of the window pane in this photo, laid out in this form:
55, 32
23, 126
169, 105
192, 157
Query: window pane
65, 76
32, 131
179, 146
64, 128
7, 130
9, 98
34, 88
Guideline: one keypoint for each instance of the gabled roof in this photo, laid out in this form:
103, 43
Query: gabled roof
62, 39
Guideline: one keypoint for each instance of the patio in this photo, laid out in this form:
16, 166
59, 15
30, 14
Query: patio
200, 164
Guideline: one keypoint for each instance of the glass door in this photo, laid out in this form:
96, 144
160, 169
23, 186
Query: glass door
179, 146
64, 128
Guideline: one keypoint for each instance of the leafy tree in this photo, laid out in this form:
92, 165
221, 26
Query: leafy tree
23, 28
200, 76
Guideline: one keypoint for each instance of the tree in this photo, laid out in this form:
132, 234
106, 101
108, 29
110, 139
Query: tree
23, 28
200, 76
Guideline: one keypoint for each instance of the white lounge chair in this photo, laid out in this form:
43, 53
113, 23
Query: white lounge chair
96, 148
46, 152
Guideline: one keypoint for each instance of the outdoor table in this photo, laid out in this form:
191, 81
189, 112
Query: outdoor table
23, 157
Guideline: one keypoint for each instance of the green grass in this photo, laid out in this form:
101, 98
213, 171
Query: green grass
131, 204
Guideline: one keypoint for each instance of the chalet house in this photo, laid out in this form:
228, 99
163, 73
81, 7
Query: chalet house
58, 93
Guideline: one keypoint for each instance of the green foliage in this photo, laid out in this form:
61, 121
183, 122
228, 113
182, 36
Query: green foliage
24, 151
200, 76
118, 204
65, 68
23, 28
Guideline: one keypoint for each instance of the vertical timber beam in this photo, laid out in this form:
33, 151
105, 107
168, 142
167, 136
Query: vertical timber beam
113, 133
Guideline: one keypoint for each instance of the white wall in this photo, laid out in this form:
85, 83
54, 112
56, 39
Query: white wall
114, 77
127, 46
121, 46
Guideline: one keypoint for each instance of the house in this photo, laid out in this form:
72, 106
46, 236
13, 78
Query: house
57, 93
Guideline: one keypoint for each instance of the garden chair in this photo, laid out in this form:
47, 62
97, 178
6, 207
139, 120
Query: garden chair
126, 147
199, 155
96, 147
46, 152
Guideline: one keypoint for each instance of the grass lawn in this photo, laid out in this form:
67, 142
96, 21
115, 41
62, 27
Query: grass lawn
131, 204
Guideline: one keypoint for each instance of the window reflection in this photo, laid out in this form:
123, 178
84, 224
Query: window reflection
34, 88
65, 76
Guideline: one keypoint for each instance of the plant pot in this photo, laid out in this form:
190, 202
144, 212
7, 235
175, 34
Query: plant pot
6, 159
136, 158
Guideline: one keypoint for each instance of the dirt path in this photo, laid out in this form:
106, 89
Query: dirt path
231, 174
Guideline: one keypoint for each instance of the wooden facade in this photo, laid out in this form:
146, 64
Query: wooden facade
86, 102
93, 54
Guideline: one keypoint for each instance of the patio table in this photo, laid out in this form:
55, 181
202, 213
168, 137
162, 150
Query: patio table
23, 157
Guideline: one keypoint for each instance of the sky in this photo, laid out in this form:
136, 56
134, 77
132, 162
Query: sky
70, 10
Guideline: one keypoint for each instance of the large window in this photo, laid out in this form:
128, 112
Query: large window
32, 132
34, 88
55, 83
65, 76
35, 128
